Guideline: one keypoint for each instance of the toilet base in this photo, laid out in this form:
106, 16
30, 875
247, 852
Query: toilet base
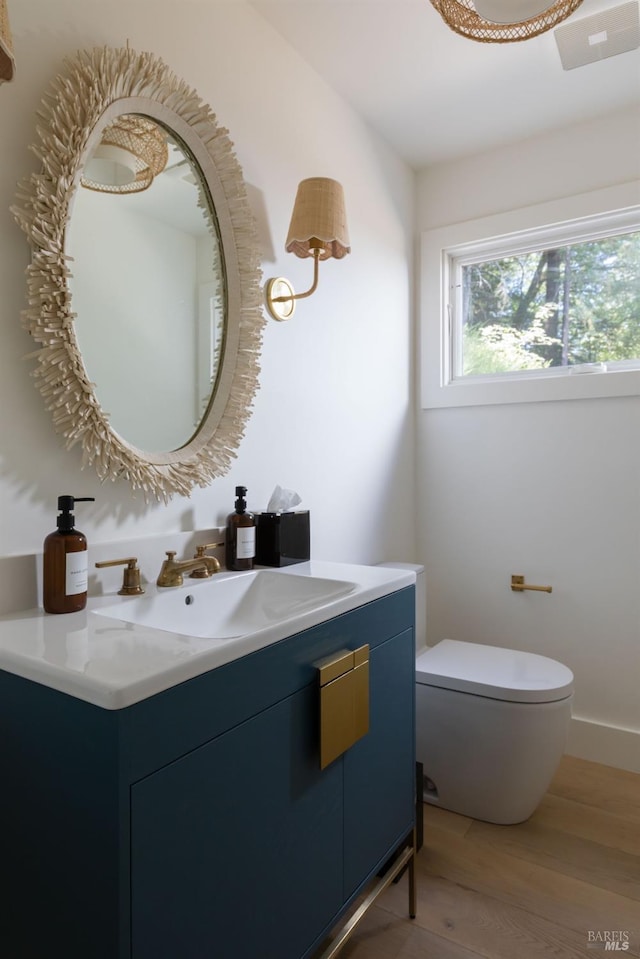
488, 759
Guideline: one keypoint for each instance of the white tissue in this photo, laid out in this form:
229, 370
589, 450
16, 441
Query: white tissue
282, 500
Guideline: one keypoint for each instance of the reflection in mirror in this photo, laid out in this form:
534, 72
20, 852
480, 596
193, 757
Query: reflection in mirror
148, 290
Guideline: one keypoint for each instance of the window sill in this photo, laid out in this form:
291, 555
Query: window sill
481, 391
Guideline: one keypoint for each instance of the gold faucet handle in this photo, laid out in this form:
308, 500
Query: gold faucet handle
200, 552
131, 585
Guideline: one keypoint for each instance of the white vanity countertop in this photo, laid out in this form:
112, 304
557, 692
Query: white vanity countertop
113, 664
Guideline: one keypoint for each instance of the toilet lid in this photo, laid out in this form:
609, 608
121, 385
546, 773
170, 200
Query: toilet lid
494, 672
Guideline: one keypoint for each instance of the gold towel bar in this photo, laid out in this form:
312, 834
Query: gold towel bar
518, 585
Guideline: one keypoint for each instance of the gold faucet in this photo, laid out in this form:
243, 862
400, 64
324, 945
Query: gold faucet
172, 569
203, 572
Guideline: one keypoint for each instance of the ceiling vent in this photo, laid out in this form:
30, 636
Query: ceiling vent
603, 35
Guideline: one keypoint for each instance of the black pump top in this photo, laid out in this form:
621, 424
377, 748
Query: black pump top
241, 503
66, 519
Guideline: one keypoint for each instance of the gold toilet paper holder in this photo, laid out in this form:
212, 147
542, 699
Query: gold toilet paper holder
518, 585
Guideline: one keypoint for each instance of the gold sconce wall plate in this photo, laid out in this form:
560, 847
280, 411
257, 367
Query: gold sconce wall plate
280, 298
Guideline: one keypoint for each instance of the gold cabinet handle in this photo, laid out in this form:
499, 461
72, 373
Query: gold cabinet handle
518, 585
344, 701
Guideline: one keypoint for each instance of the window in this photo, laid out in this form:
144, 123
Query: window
561, 306
525, 308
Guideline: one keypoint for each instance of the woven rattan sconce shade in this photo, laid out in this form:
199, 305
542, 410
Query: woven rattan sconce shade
7, 62
319, 214
472, 21
133, 145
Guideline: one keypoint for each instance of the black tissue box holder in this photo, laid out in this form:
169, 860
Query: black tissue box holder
282, 538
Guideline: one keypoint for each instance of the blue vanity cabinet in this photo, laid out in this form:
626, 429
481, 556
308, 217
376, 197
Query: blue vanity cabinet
197, 824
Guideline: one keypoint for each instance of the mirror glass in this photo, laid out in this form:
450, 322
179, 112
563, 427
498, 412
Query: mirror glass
148, 287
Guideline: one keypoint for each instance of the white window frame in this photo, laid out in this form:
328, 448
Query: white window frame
607, 212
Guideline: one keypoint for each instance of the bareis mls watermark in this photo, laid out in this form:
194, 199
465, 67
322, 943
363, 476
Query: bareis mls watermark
609, 940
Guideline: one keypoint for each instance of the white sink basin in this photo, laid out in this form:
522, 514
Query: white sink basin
122, 650
230, 607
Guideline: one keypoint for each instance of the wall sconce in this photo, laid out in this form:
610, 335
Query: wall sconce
7, 60
318, 228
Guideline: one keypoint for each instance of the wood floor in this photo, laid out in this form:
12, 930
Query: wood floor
531, 891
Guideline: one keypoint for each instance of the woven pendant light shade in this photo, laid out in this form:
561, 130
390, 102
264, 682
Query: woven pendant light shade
319, 220
463, 18
143, 145
7, 61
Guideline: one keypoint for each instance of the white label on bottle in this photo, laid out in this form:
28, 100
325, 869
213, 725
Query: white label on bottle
77, 572
246, 542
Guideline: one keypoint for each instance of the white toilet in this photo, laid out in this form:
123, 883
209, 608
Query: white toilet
491, 723
491, 727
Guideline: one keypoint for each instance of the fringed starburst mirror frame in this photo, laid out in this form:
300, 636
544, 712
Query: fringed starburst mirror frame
94, 88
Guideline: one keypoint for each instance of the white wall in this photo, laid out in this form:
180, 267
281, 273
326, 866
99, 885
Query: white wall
550, 490
333, 416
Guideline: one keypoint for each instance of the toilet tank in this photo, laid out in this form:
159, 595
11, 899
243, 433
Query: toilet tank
421, 600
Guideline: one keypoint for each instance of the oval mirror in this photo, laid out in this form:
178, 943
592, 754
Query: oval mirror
144, 285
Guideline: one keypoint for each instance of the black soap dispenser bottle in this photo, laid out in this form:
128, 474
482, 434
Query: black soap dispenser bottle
241, 534
65, 562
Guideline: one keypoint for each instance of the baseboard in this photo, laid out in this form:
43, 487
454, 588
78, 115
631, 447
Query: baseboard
609, 745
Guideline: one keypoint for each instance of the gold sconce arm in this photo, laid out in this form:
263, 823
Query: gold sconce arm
518, 585
280, 297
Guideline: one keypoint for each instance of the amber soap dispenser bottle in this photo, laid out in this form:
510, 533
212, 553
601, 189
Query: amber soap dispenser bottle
65, 562
241, 534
